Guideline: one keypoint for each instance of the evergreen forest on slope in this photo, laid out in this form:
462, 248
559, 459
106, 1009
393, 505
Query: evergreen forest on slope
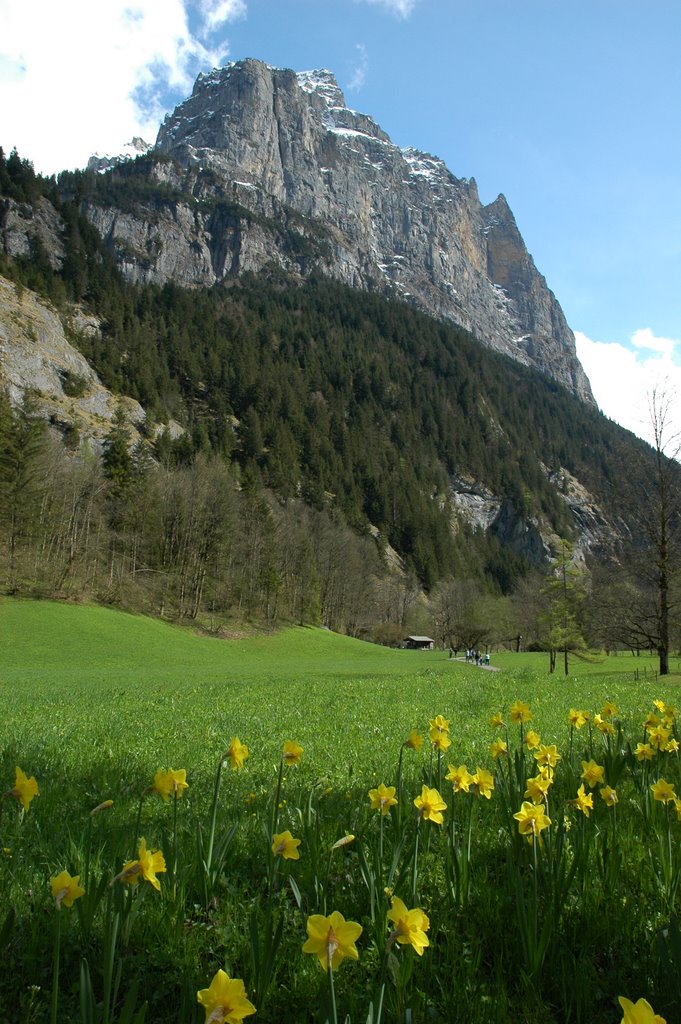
314, 396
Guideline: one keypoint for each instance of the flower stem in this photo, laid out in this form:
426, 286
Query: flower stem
55, 969
277, 795
398, 787
88, 844
414, 868
138, 820
175, 844
334, 1012
214, 814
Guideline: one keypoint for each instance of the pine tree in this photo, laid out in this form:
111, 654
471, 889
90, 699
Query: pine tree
22, 444
565, 594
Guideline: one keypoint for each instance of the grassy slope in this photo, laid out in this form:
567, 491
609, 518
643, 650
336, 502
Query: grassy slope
145, 693
78, 643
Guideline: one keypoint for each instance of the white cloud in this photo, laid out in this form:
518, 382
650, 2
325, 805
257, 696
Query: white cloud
622, 378
645, 339
217, 13
79, 77
359, 70
402, 8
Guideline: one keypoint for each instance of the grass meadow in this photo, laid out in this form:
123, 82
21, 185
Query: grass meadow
524, 921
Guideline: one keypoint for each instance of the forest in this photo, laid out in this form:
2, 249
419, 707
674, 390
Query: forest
323, 432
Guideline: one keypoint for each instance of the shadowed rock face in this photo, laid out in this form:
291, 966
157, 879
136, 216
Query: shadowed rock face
277, 141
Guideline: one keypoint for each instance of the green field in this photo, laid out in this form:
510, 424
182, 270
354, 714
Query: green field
95, 701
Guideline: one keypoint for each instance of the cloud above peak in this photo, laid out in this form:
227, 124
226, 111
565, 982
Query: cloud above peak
401, 8
217, 13
360, 68
107, 93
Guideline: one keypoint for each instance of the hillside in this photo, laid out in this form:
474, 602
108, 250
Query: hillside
302, 440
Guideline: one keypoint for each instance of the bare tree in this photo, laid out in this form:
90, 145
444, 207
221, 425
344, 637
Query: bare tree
663, 522
639, 609
461, 616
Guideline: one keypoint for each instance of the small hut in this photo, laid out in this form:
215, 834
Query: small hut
419, 643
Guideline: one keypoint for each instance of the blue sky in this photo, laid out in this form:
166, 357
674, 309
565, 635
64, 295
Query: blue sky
571, 108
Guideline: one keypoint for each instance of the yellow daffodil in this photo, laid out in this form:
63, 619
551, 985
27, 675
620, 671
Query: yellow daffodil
460, 778
538, 788
658, 737
609, 710
520, 712
292, 752
439, 724
498, 749
440, 740
410, 926
343, 841
651, 721
660, 705
532, 739
592, 773
609, 795
104, 806
577, 719
414, 741
284, 845
149, 864
331, 939
382, 798
547, 755
170, 783
65, 888
430, 805
25, 789
237, 752
532, 819
663, 791
225, 1000
497, 721
584, 801
672, 746
604, 726
644, 752
483, 783
639, 1013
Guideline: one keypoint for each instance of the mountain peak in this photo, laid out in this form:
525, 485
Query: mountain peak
324, 83
104, 162
283, 145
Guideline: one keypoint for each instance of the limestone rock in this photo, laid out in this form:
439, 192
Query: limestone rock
395, 219
136, 147
22, 226
37, 361
264, 167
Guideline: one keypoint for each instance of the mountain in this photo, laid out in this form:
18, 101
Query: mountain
239, 292
104, 162
270, 166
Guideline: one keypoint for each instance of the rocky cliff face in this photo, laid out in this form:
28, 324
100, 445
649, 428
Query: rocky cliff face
270, 166
38, 362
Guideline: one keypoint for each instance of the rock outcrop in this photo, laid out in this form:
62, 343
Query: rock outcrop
104, 162
270, 167
38, 362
